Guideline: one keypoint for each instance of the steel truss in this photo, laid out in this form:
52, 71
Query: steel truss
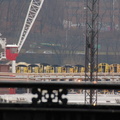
34, 8
91, 53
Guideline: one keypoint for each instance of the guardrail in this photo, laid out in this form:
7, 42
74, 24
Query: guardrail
57, 76
44, 107
50, 91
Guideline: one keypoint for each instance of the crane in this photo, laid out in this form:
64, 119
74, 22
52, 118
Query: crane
11, 51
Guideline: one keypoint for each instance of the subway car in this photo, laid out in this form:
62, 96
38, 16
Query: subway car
22, 67
33, 68
79, 68
44, 67
114, 68
103, 67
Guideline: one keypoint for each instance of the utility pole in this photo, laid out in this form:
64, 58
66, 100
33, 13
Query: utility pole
91, 52
118, 14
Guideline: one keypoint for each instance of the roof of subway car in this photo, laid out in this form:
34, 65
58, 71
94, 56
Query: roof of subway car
79, 65
33, 65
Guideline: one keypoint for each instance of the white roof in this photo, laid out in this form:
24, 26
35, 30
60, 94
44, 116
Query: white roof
12, 45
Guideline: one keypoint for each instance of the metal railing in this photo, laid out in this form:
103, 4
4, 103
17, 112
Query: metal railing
51, 102
50, 93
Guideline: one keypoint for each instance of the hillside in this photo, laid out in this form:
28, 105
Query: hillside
60, 27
